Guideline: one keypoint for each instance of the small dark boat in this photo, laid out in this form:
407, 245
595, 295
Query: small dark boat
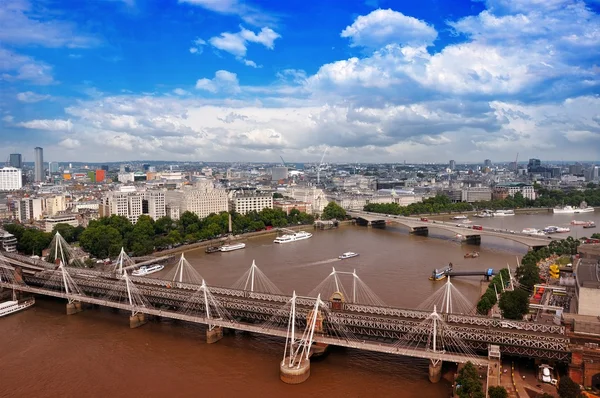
590, 225
212, 249
472, 255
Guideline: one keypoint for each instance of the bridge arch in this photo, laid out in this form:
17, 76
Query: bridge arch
596, 381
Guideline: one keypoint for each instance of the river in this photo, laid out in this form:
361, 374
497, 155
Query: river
44, 353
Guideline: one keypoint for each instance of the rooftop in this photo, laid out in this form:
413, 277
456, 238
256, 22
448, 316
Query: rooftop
588, 273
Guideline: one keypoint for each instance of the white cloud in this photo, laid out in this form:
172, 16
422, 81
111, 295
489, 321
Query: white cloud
251, 63
70, 143
248, 13
8, 118
31, 97
382, 27
223, 81
48, 124
180, 91
23, 22
197, 46
237, 43
15, 66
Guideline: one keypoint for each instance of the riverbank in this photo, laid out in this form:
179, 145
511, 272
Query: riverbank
232, 238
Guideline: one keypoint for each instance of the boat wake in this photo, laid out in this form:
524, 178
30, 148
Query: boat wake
329, 261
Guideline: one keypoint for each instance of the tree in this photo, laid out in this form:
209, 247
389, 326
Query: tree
497, 392
514, 304
164, 225
101, 241
484, 306
468, 379
567, 388
67, 231
333, 211
277, 195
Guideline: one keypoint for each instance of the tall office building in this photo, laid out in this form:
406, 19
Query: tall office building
452, 165
487, 163
38, 170
16, 161
10, 179
52, 167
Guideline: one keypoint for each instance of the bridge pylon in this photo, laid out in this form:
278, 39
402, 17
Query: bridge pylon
295, 365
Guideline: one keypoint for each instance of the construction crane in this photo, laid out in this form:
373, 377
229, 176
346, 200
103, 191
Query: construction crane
283, 161
320, 165
517, 163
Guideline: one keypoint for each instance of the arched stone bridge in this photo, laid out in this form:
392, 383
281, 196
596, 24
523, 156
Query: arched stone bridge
419, 227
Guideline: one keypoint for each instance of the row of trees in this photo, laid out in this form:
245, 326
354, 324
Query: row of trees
105, 237
468, 384
489, 298
32, 240
437, 204
443, 204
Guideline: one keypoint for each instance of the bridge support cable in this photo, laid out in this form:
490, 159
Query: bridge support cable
433, 335
360, 292
122, 262
203, 304
297, 349
184, 272
254, 280
60, 280
59, 250
124, 291
449, 299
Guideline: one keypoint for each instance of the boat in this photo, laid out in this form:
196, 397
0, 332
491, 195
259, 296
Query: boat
439, 274
530, 231
147, 270
347, 255
484, 214
235, 246
503, 213
14, 305
212, 249
472, 255
590, 224
301, 235
577, 222
459, 218
550, 229
583, 208
562, 229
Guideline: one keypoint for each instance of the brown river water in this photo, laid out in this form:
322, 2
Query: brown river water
45, 353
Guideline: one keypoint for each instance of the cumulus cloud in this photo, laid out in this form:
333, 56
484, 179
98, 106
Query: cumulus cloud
48, 124
237, 43
31, 97
223, 81
197, 46
382, 27
70, 143
16, 67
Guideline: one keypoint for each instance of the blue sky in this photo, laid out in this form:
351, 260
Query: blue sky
232, 80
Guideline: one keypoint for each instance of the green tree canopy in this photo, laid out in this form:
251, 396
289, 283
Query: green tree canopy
514, 304
497, 392
333, 211
567, 388
101, 241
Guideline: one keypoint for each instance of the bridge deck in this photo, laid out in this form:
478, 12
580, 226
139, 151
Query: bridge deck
364, 345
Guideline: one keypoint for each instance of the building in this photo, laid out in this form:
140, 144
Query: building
8, 242
133, 204
313, 195
576, 169
511, 189
55, 204
172, 211
452, 165
487, 163
244, 203
38, 169
11, 179
588, 287
289, 205
100, 175
201, 199
29, 209
279, 173
53, 167
16, 161
104, 167
52, 222
476, 194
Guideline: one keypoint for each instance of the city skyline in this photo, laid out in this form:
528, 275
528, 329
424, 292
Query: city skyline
372, 81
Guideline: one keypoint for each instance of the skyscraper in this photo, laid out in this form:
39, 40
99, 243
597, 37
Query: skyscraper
53, 167
38, 170
487, 163
16, 161
452, 165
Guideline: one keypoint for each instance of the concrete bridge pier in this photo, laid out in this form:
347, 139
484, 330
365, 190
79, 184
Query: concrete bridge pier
420, 231
74, 308
435, 371
214, 335
296, 374
137, 320
473, 239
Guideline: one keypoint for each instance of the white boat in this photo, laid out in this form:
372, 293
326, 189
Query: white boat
347, 255
292, 237
583, 208
459, 218
533, 231
563, 229
484, 214
147, 270
235, 246
9, 307
503, 213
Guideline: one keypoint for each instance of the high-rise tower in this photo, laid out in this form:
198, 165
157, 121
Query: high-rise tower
38, 170
16, 160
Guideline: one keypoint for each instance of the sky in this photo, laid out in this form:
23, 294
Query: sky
235, 80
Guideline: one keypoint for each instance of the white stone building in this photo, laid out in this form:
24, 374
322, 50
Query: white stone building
243, 203
11, 179
55, 204
202, 199
133, 204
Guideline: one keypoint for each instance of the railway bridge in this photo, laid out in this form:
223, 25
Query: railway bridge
418, 226
336, 319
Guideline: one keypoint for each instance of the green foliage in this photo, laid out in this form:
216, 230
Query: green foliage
101, 241
484, 306
528, 272
68, 232
514, 304
438, 204
488, 299
497, 392
567, 388
594, 236
468, 379
277, 195
333, 211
